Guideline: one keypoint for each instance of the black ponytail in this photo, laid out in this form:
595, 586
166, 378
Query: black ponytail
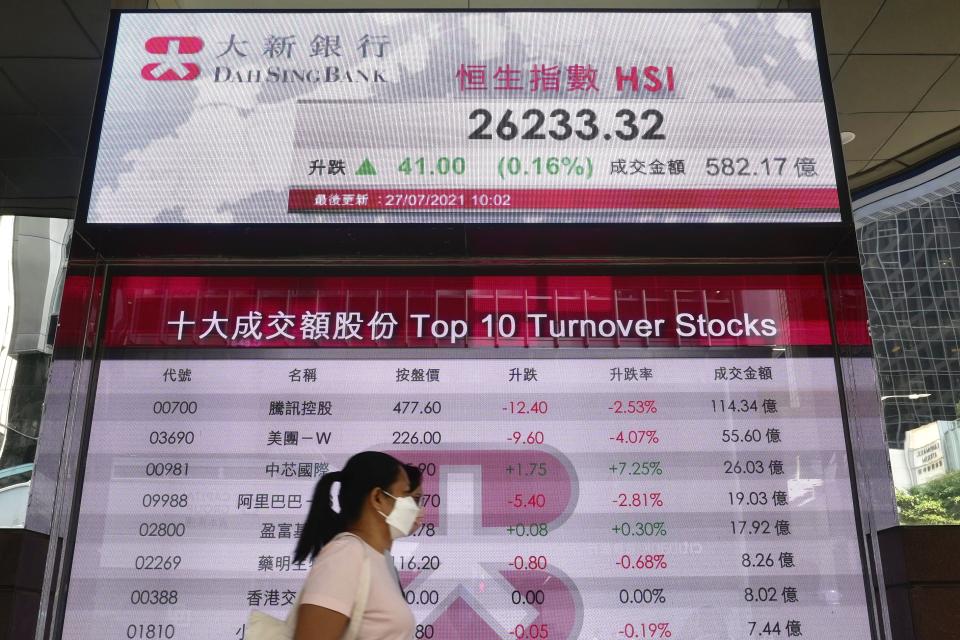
322, 522
363, 473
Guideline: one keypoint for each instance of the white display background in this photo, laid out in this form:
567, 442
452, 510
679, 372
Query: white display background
212, 149
704, 581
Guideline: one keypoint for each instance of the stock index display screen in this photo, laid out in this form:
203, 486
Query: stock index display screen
529, 117
610, 458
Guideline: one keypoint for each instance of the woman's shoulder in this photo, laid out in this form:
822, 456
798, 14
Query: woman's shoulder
345, 546
342, 557
333, 579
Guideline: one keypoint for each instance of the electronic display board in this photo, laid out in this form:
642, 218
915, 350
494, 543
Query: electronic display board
528, 117
604, 457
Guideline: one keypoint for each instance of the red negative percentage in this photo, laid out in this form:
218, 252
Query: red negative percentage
633, 407
649, 499
648, 561
647, 630
637, 436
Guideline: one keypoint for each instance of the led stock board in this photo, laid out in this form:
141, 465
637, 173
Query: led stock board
531, 117
616, 458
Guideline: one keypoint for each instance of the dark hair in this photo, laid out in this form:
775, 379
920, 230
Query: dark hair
415, 475
363, 473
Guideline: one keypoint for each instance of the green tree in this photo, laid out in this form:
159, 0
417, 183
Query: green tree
920, 509
946, 490
936, 502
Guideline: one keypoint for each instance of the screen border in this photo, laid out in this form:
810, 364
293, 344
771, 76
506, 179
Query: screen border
466, 240
100, 352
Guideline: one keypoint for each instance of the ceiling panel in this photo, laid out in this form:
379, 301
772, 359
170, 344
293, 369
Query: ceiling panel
917, 129
29, 137
74, 91
876, 170
45, 207
836, 61
843, 22
44, 29
946, 141
11, 100
73, 130
853, 166
913, 26
872, 130
41, 178
885, 164
945, 94
886, 83
94, 15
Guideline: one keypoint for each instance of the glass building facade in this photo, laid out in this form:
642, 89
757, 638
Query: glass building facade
909, 237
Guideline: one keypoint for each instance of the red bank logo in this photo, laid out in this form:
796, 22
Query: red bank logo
172, 67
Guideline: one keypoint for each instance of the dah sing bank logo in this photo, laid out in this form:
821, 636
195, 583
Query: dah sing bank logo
172, 66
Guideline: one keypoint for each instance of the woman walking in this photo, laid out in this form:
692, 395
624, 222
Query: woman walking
351, 591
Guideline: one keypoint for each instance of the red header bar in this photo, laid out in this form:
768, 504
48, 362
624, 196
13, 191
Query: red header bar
586, 199
480, 311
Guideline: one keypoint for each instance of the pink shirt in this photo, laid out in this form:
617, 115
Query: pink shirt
333, 580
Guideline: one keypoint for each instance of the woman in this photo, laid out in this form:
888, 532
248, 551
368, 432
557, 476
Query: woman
416, 489
375, 508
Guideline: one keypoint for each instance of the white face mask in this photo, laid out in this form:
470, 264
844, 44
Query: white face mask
402, 517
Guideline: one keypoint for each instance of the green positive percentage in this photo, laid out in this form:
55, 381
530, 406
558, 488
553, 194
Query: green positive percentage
563, 166
636, 468
640, 529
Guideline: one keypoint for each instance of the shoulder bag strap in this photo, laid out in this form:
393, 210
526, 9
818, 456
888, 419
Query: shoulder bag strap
360, 602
